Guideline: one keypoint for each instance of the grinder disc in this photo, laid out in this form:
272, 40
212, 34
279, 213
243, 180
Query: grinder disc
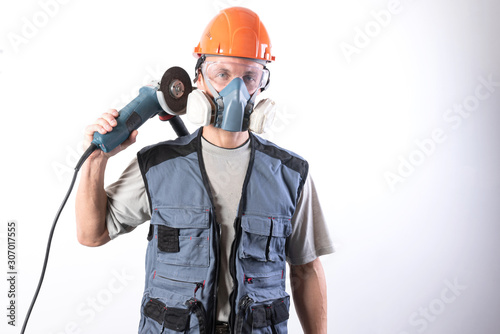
176, 86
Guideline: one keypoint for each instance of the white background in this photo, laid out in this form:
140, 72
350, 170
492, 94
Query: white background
417, 256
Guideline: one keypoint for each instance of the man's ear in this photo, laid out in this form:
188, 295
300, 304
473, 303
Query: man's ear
200, 84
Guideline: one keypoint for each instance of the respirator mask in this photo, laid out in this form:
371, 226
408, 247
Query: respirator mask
234, 87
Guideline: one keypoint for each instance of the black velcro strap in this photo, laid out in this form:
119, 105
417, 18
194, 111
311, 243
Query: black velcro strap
196, 307
244, 304
176, 319
168, 239
240, 319
269, 238
151, 232
155, 310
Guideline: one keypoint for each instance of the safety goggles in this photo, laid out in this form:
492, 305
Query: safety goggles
220, 73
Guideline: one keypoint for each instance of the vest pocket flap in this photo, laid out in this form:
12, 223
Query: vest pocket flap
269, 315
267, 226
191, 251
176, 319
263, 238
192, 217
155, 310
262, 317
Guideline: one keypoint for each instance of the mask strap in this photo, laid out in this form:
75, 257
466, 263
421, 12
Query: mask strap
218, 101
268, 79
249, 109
251, 101
200, 61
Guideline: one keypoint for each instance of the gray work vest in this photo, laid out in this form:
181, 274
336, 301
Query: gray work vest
183, 254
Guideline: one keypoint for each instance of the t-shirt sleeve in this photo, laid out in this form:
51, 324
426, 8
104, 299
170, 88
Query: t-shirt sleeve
128, 204
310, 237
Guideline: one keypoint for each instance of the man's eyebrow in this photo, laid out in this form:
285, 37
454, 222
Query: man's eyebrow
250, 74
252, 71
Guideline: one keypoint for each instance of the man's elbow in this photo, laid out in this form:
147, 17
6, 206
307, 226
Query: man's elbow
90, 243
93, 241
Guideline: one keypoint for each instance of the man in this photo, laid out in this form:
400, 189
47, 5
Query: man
227, 208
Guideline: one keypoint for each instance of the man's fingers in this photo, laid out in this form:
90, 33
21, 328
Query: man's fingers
113, 112
110, 118
90, 129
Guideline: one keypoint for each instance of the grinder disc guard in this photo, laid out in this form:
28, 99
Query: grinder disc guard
176, 86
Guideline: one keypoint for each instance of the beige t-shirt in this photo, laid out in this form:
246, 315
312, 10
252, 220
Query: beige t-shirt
128, 207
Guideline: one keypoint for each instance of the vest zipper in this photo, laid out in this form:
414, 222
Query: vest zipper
232, 264
217, 269
232, 270
197, 285
216, 228
237, 237
243, 306
245, 302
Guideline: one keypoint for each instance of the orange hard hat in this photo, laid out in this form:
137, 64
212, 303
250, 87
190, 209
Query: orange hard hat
235, 32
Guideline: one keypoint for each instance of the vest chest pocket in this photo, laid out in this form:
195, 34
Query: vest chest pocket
183, 236
263, 238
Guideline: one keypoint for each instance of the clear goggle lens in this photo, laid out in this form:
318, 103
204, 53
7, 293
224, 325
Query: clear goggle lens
222, 73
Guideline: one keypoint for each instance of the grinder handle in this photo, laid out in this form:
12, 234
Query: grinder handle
178, 126
130, 118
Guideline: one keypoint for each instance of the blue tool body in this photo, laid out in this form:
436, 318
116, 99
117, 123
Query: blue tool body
131, 117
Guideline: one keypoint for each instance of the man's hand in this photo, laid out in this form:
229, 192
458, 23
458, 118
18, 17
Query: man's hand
103, 125
309, 295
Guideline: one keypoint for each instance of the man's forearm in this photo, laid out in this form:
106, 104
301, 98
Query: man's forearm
91, 202
309, 295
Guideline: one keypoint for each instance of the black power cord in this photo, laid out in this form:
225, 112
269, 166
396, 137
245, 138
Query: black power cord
84, 157
179, 128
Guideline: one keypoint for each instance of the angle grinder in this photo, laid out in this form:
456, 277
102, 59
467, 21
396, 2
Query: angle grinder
167, 98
